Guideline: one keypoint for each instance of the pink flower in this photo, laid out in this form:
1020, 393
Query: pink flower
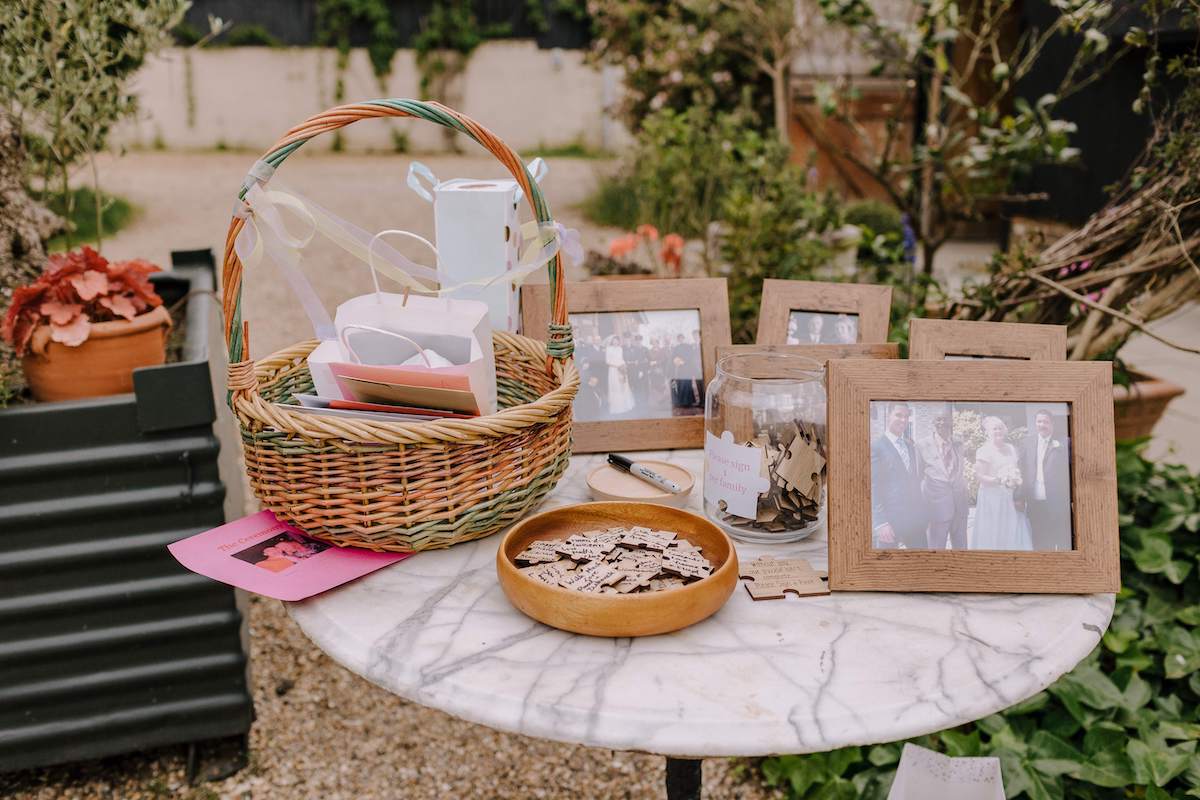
73, 334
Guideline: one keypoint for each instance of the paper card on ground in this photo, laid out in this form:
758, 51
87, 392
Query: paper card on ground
260, 554
923, 774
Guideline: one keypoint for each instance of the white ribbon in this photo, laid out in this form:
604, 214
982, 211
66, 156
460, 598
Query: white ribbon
424, 183
266, 234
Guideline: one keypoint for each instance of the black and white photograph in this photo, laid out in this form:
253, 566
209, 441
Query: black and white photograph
970, 476
638, 365
821, 327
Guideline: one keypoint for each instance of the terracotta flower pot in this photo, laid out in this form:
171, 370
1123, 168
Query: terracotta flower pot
103, 364
1138, 408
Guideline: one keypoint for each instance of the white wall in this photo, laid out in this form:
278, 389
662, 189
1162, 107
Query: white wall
247, 97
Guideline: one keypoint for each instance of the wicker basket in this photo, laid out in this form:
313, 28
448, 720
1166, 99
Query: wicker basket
403, 486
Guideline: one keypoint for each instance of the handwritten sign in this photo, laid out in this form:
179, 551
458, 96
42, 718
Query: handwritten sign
733, 474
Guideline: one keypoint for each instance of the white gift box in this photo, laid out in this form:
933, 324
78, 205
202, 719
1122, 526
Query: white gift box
477, 237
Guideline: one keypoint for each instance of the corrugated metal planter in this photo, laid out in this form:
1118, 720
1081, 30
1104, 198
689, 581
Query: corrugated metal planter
107, 645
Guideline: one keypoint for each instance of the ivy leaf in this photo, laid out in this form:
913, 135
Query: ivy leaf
1052, 755
839, 760
1158, 766
1021, 777
1110, 768
1179, 730
1154, 555
962, 744
1189, 615
1035, 703
836, 789
884, 755
1137, 693
1182, 657
1088, 686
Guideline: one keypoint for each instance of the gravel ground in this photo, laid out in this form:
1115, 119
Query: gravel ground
323, 732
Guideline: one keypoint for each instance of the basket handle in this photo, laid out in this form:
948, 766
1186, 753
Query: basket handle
559, 344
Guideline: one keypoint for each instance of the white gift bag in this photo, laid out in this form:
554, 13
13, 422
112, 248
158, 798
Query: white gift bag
457, 330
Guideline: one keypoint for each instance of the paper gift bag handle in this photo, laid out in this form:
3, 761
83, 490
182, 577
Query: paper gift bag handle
559, 344
356, 326
371, 256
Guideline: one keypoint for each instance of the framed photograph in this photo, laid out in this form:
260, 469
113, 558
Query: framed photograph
985, 476
809, 312
964, 340
645, 351
817, 352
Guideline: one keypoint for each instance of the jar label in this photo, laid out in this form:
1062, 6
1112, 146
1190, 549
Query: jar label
733, 474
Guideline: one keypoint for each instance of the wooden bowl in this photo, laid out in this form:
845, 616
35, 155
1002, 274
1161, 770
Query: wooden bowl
641, 614
609, 483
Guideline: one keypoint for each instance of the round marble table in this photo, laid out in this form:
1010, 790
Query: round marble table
757, 678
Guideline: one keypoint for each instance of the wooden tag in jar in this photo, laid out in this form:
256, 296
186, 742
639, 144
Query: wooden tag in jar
770, 578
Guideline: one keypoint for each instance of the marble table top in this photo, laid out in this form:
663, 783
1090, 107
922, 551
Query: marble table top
757, 678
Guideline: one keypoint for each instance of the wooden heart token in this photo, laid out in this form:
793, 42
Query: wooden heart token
770, 578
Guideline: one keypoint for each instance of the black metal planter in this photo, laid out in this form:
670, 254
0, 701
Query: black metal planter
107, 645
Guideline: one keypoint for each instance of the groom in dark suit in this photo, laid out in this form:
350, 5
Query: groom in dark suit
898, 515
1046, 484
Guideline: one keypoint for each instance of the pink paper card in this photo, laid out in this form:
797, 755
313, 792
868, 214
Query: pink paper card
260, 554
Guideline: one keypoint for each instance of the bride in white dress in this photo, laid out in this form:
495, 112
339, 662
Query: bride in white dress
620, 395
999, 525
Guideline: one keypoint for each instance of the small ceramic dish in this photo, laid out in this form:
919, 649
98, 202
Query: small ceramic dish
640, 614
606, 482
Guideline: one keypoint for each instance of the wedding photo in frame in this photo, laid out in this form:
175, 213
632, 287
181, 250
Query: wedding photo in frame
960, 340
645, 351
985, 476
811, 312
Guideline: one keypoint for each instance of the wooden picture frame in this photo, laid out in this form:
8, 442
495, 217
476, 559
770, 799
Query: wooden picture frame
817, 352
936, 339
1093, 565
709, 297
871, 304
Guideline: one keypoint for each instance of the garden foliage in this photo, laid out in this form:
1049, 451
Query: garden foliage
1126, 721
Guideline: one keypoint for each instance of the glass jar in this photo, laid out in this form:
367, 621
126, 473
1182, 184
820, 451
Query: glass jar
765, 447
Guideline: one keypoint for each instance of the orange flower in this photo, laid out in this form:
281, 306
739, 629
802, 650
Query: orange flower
648, 231
622, 246
672, 251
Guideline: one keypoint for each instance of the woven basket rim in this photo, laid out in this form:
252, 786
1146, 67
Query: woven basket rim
548, 407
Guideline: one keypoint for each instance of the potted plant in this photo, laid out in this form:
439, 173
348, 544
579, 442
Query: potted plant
85, 324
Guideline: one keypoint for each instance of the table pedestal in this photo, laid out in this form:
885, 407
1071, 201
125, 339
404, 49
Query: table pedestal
683, 778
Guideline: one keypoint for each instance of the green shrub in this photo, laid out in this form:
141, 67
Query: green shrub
877, 215
1125, 722
772, 228
116, 213
682, 167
